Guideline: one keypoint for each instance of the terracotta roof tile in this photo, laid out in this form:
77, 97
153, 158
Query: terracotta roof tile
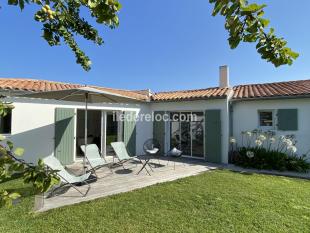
268, 90
250, 91
42, 85
132, 94
191, 94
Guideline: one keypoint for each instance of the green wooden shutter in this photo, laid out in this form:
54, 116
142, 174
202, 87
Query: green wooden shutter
213, 138
288, 119
130, 132
64, 135
159, 131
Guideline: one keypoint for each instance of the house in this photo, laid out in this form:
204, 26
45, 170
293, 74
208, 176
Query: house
44, 127
282, 107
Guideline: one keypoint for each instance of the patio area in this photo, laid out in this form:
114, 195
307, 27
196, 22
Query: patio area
123, 180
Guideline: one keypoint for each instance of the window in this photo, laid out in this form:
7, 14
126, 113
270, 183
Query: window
266, 118
6, 123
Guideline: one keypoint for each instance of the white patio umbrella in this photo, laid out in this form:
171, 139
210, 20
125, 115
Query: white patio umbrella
82, 94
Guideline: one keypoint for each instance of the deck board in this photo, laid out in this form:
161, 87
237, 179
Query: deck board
120, 182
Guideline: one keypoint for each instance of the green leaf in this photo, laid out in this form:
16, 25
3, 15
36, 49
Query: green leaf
19, 151
234, 42
92, 3
14, 195
250, 38
13, 2
21, 4
2, 137
41, 163
10, 145
264, 22
253, 7
218, 6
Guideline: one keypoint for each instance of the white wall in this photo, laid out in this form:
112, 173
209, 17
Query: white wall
144, 129
202, 105
33, 124
245, 117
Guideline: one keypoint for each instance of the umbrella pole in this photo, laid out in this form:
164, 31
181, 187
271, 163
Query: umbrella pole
85, 136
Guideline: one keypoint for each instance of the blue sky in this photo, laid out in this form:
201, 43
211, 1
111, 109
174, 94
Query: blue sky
162, 45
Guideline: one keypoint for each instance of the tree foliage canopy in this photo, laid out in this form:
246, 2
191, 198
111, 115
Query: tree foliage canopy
62, 22
245, 23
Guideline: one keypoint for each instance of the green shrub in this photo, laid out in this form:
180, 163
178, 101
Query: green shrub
265, 150
270, 160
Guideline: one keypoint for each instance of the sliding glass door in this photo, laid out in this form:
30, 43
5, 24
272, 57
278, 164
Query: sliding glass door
186, 143
187, 133
175, 135
197, 128
111, 131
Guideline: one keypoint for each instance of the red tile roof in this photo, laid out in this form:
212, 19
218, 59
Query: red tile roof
250, 91
272, 90
191, 94
32, 85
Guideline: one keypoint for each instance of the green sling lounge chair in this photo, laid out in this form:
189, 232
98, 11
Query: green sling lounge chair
66, 178
123, 156
94, 158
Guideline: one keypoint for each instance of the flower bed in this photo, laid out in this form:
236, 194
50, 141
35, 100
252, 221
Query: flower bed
264, 150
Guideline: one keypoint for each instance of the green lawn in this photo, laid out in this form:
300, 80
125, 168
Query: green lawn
218, 201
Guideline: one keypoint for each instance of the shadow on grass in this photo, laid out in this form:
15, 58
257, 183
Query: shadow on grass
236, 171
23, 191
242, 172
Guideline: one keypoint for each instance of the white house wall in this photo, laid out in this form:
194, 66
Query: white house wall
33, 120
245, 117
201, 105
33, 124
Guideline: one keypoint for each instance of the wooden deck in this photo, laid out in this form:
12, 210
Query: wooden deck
121, 181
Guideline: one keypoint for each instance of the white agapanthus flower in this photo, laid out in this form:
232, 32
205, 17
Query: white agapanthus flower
282, 138
272, 140
262, 137
258, 142
232, 140
250, 154
288, 142
292, 148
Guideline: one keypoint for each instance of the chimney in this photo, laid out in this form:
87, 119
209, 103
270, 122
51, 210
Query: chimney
224, 76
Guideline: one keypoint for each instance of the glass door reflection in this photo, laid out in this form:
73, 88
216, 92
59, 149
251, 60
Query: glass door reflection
187, 133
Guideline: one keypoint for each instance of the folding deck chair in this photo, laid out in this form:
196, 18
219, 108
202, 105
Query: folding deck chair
66, 178
123, 156
94, 158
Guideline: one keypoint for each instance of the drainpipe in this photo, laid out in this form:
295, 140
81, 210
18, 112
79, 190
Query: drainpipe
231, 119
85, 136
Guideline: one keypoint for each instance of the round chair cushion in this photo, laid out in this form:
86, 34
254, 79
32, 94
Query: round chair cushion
175, 152
153, 151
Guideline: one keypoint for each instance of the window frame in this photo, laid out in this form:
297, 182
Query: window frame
273, 119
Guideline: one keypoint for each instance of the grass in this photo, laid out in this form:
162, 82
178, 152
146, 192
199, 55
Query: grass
219, 201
